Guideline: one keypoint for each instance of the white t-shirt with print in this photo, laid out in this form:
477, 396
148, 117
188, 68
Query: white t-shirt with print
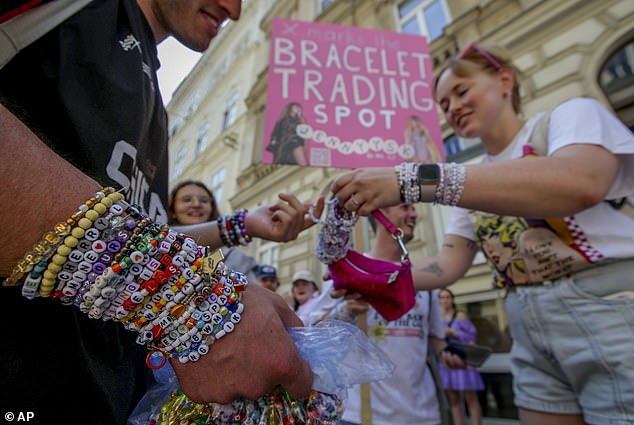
605, 232
409, 396
304, 311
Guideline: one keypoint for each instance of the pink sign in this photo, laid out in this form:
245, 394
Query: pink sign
349, 97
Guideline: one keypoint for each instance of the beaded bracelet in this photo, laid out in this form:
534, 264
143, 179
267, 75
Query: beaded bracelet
451, 184
93, 254
50, 241
110, 260
232, 229
82, 229
448, 191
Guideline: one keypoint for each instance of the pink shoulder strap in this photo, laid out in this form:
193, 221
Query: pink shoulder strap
386, 222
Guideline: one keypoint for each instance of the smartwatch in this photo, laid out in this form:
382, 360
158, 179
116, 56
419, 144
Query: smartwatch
428, 179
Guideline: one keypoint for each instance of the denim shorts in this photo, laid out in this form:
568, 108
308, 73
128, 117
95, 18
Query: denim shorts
573, 344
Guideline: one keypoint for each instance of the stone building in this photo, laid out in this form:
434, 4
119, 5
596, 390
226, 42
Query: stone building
564, 48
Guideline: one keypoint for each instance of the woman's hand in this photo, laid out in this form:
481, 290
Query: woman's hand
282, 221
367, 189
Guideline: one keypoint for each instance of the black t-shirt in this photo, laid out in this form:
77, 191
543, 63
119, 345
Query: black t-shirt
89, 89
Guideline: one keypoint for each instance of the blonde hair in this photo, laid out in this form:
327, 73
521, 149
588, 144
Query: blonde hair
472, 60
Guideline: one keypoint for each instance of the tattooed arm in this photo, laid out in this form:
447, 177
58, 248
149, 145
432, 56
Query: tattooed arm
450, 264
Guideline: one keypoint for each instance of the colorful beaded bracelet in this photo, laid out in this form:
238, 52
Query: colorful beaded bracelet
110, 260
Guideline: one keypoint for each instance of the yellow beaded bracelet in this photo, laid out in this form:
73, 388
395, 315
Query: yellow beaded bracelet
51, 240
77, 233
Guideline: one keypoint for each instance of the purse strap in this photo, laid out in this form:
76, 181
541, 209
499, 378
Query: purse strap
396, 232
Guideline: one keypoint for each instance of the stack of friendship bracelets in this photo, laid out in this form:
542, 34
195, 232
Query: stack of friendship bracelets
114, 263
276, 408
446, 187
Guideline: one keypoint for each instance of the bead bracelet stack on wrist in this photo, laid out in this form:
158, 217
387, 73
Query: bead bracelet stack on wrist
437, 183
232, 229
114, 263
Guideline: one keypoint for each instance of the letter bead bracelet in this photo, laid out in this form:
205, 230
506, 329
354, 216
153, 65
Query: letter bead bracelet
110, 260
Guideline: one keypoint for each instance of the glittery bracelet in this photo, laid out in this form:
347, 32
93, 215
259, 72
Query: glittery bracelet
51, 240
451, 185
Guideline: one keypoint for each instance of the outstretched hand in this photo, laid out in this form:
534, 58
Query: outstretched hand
367, 189
252, 360
282, 221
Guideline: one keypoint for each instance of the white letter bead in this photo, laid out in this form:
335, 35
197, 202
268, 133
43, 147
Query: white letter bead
216, 318
178, 261
195, 280
171, 236
137, 297
136, 257
91, 234
136, 269
108, 293
116, 209
187, 273
146, 274
188, 288
153, 264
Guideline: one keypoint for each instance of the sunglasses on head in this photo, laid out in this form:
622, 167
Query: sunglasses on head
474, 46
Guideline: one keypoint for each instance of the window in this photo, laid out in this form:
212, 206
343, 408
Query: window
617, 81
217, 178
459, 149
423, 17
268, 253
325, 4
179, 164
193, 107
201, 143
231, 110
176, 125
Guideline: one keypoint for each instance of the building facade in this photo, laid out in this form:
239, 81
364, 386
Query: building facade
564, 48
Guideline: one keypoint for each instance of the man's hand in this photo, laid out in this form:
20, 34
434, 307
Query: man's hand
282, 221
253, 359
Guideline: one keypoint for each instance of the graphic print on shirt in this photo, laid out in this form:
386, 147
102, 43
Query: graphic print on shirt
409, 325
524, 251
123, 157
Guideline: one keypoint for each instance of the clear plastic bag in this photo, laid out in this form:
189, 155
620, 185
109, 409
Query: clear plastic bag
339, 354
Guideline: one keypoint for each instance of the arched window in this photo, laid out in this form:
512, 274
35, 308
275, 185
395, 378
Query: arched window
616, 79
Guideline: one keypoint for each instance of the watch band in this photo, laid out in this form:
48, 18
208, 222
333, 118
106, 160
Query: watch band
428, 180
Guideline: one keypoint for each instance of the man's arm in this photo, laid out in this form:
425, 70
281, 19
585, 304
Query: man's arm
39, 189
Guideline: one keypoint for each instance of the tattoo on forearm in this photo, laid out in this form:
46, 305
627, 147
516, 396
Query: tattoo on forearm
433, 268
472, 245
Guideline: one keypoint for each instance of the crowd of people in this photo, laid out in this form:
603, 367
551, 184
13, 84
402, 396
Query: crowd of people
91, 121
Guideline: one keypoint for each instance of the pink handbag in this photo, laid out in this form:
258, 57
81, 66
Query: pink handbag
386, 286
